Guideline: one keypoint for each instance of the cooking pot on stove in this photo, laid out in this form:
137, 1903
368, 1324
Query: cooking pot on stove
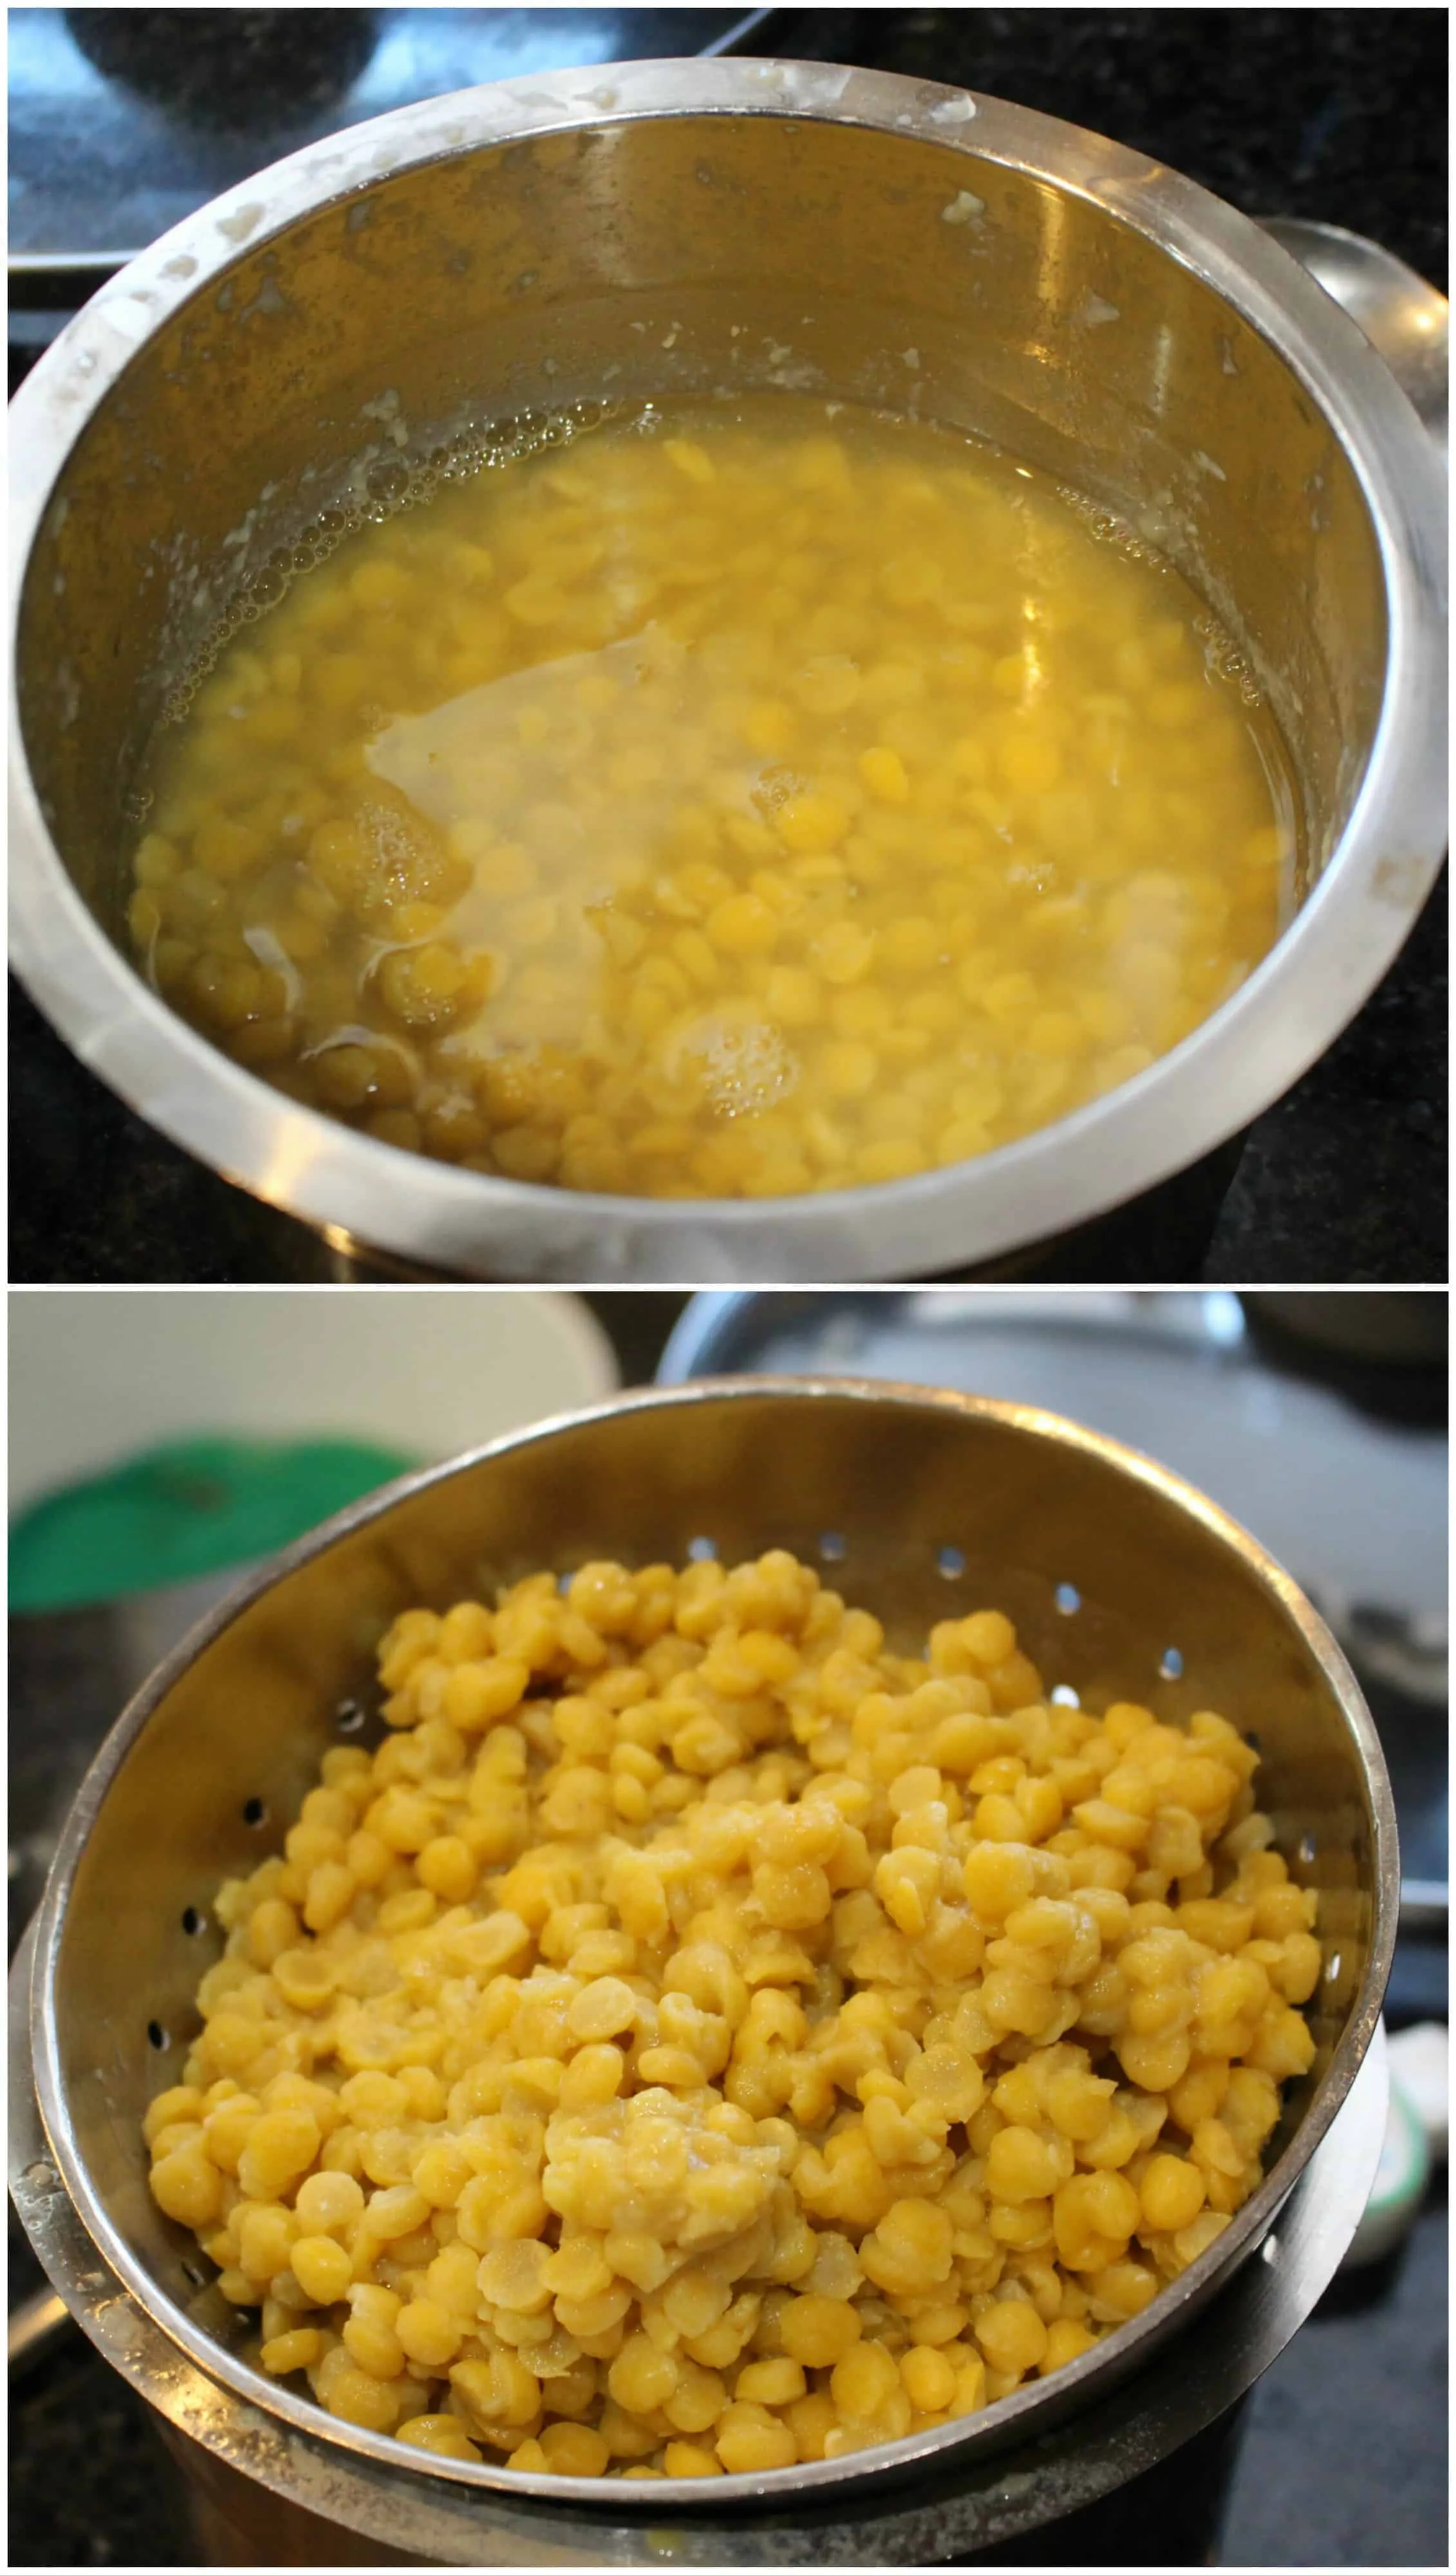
990, 1502
499, 251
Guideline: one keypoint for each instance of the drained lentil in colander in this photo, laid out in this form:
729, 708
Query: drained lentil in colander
756, 797
701, 2038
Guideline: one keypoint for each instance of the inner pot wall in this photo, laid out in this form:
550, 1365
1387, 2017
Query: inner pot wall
761, 249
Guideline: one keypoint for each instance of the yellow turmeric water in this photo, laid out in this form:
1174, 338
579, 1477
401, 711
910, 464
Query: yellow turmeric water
741, 800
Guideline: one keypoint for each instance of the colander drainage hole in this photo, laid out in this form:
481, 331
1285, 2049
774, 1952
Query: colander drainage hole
1065, 1696
1305, 1851
702, 1551
255, 1811
833, 1547
193, 1922
949, 1563
1068, 1599
157, 2035
348, 1716
1171, 1667
191, 2272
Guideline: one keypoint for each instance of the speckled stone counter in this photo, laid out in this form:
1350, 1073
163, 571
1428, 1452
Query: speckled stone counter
1329, 113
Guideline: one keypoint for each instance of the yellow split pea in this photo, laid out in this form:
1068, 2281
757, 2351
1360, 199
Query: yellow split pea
750, 799
701, 2038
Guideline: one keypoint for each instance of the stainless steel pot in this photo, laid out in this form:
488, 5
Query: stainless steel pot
921, 1504
689, 224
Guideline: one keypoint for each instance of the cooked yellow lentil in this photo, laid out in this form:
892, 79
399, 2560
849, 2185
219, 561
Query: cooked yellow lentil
752, 799
699, 2038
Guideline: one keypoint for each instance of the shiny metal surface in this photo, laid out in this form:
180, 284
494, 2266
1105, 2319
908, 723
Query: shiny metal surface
1400, 315
272, 2496
1353, 1504
232, 1725
1100, 315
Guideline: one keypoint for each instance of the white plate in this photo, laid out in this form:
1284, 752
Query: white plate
98, 1374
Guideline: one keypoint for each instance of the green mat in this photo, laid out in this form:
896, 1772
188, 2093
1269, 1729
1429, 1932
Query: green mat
189, 1507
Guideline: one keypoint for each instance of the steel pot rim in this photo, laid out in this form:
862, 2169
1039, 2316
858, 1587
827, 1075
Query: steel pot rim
1239, 1061
1045, 2400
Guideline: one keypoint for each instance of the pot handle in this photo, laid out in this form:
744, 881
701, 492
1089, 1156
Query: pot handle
1405, 321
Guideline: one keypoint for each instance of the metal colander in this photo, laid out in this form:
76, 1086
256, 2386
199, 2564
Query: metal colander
1123, 1582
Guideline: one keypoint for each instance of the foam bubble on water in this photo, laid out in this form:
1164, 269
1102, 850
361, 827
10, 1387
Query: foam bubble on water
1107, 526
742, 1065
385, 487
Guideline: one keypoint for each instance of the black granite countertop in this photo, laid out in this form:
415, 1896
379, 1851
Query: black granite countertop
1329, 113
